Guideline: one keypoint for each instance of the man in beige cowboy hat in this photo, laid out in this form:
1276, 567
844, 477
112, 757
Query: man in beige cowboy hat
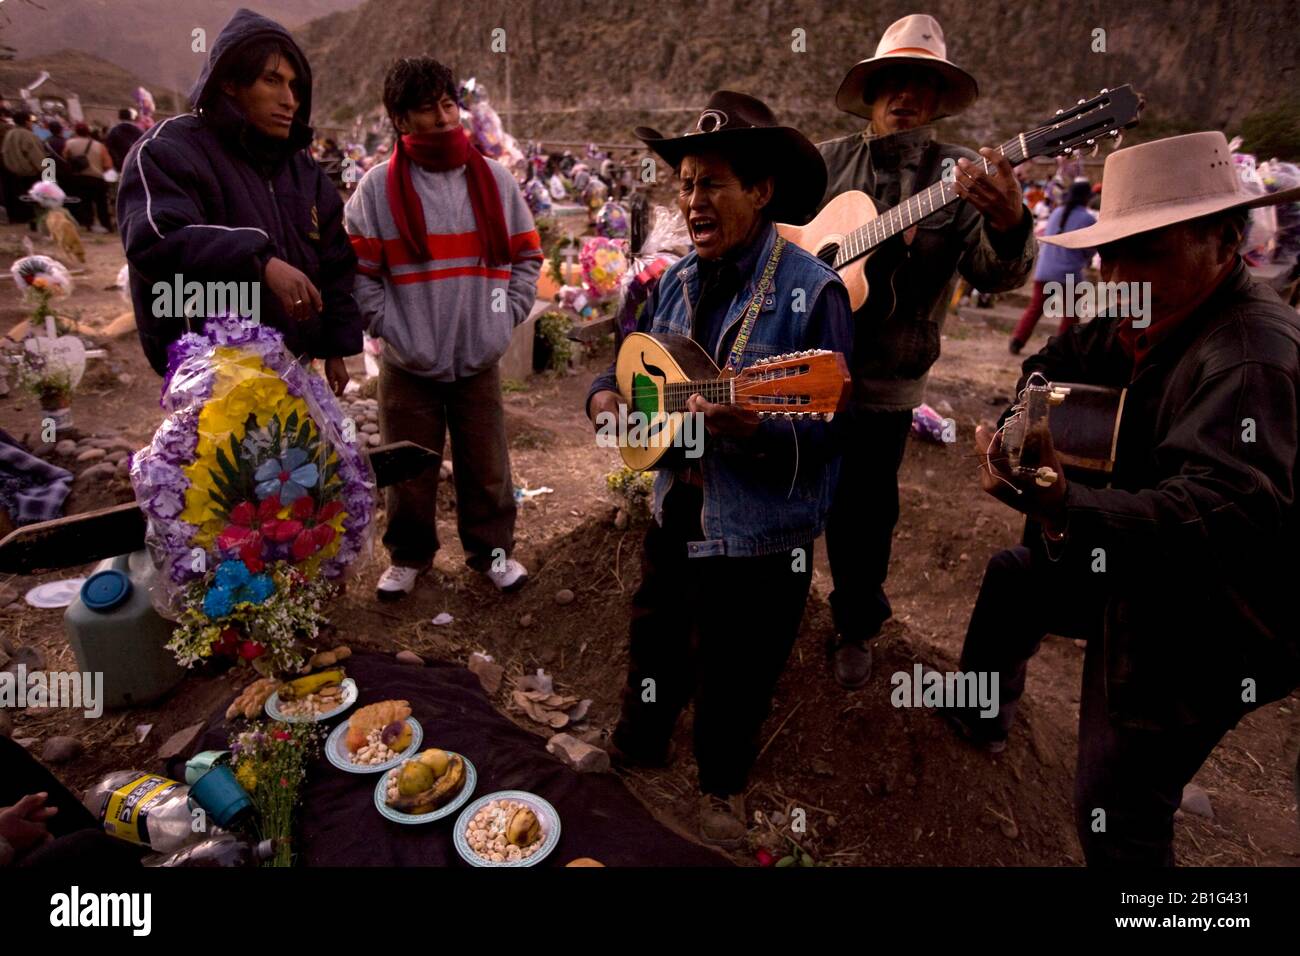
1180, 573
988, 239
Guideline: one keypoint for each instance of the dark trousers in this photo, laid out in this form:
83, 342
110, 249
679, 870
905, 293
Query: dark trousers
1135, 778
717, 629
93, 193
860, 527
78, 842
16, 207
421, 410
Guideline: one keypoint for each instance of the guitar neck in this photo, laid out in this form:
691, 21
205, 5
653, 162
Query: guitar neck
915, 208
715, 390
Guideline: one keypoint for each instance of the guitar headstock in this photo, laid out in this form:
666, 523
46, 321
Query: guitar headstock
1083, 124
811, 384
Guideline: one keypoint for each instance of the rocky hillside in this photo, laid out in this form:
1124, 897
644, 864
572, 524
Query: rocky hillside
151, 38
96, 81
576, 70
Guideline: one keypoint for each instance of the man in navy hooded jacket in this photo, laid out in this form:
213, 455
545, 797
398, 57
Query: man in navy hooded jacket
228, 193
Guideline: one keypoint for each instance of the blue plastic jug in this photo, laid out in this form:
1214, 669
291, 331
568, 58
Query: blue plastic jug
114, 629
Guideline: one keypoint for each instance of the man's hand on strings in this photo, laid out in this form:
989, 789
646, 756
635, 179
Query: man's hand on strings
726, 421
996, 194
1024, 494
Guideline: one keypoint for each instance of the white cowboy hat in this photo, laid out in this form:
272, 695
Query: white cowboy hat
916, 39
1166, 181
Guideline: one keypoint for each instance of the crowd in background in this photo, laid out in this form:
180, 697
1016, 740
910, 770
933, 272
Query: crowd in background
84, 158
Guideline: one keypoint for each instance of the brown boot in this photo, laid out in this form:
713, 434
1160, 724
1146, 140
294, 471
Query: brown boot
722, 820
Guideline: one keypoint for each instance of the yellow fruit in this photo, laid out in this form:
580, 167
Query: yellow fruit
523, 828
415, 778
311, 683
435, 760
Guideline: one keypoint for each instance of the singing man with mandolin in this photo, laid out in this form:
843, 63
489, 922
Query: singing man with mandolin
727, 562
987, 236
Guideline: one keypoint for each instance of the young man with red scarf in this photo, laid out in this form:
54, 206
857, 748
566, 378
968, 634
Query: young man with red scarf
448, 260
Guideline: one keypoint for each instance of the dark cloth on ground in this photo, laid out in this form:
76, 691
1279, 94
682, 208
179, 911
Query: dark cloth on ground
339, 825
422, 410
30, 489
716, 629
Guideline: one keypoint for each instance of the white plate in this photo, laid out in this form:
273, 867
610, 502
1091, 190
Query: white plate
546, 816
446, 810
336, 750
54, 594
349, 698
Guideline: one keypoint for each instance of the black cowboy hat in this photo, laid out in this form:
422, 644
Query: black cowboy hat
734, 123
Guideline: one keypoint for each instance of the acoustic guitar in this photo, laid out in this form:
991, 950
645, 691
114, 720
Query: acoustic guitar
657, 375
1083, 421
854, 238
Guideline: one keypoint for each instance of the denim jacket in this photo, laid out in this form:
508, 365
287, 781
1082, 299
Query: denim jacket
770, 492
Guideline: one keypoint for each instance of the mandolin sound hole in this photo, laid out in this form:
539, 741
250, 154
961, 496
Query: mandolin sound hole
828, 253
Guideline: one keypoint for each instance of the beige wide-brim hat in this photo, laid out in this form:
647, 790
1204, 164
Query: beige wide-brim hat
918, 40
1163, 182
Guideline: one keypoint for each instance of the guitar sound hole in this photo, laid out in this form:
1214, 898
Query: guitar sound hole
828, 253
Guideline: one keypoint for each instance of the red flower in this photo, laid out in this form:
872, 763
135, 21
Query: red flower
281, 735
250, 650
282, 531
764, 858
266, 511
242, 537
313, 531
227, 643
284, 782
311, 540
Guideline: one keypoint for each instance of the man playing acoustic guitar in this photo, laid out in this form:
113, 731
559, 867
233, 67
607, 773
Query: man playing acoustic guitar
727, 563
1180, 574
988, 239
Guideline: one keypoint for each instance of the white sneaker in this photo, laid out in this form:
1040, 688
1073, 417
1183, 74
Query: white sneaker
99, 230
396, 582
511, 577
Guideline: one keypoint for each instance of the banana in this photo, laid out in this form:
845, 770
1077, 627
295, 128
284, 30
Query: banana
448, 786
523, 828
303, 686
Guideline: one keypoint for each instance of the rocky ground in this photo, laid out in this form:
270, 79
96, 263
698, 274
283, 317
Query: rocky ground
876, 784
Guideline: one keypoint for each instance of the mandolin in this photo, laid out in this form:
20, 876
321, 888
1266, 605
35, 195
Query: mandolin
853, 237
657, 375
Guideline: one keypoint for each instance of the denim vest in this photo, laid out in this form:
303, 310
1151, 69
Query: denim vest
753, 504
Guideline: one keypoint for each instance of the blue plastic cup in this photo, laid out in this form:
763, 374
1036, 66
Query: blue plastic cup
219, 793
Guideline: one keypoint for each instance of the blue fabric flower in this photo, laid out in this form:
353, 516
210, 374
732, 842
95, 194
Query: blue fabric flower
231, 575
258, 589
233, 585
288, 476
218, 602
